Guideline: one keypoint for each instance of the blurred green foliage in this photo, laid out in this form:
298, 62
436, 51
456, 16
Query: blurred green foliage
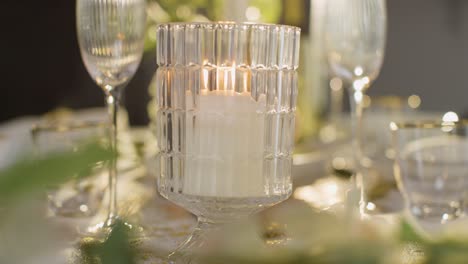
186, 10
31, 175
116, 249
161, 11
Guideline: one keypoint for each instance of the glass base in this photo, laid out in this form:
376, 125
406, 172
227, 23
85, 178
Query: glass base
101, 231
214, 212
189, 251
202, 241
377, 196
223, 209
437, 212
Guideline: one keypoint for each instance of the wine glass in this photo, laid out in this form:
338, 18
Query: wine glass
225, 99
355, 39
111, 38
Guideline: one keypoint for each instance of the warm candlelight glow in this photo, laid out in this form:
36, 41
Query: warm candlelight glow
324, 193
205, 79
225, 79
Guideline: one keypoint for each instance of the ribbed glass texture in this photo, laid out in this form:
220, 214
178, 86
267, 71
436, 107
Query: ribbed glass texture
111, 38
226, 97
355, 39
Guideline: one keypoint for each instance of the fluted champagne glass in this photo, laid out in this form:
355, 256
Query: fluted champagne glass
355, 42
111, 38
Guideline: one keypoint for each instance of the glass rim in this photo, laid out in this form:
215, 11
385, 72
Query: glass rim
408, 152
427, 124
229, 23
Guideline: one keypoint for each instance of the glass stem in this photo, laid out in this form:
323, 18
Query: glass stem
336, 102
185, 252
113, 100
356, 102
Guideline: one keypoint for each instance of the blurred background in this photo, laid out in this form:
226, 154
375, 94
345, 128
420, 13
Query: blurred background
425, 54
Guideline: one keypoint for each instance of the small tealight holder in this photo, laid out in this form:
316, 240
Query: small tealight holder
226, 97
430, 168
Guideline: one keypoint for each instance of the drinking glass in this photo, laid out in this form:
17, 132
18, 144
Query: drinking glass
431, 167
381, 111
226, 98
380, 181
111, 38
355, 38
81, 196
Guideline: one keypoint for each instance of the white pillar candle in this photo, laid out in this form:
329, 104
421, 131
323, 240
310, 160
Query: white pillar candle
225, 144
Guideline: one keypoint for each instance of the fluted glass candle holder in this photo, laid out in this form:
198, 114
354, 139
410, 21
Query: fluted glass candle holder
226, 98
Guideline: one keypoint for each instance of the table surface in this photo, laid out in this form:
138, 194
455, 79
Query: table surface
168, 224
